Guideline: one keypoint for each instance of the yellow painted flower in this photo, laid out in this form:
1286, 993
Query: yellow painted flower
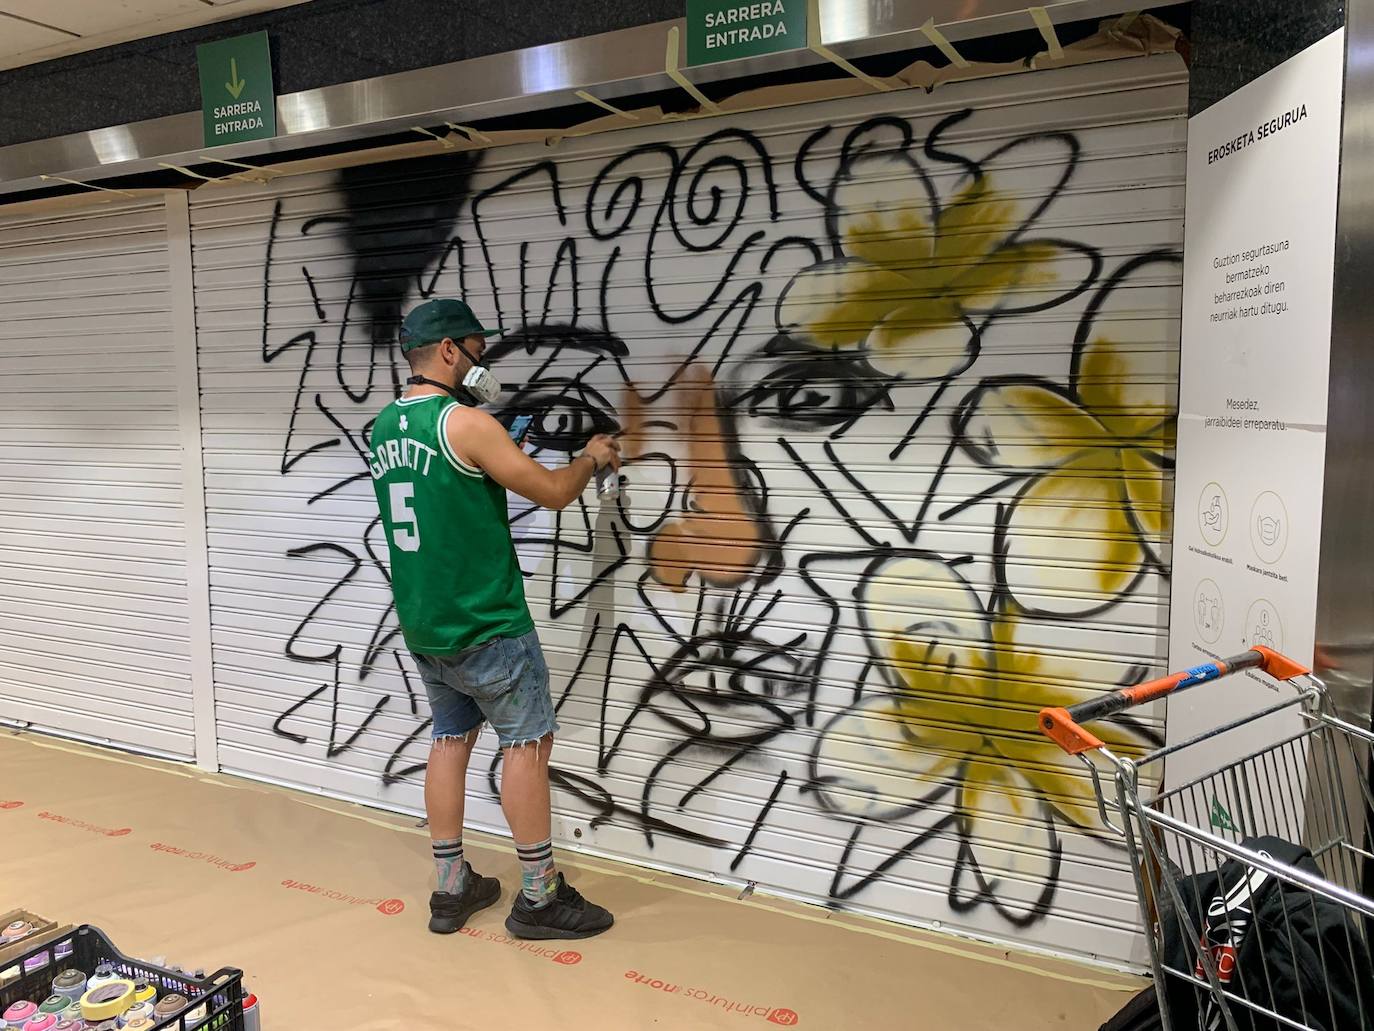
955, 735
1092, 510
918, 275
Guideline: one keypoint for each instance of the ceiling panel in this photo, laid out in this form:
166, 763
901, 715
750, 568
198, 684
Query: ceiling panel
40, 30
89, 19
17, 36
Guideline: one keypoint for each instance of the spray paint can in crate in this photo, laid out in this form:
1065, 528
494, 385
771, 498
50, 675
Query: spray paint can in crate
143, 991
54, 1004
139, 1010
104, 974
19, 1013
70, 984
169, 1005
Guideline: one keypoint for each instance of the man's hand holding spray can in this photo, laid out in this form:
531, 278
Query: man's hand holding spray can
604, 450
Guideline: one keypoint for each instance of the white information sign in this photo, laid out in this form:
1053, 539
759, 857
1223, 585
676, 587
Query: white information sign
1263, 167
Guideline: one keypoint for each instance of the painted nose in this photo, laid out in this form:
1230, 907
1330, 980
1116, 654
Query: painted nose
720, 534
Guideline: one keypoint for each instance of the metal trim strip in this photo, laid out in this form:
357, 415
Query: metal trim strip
612, 65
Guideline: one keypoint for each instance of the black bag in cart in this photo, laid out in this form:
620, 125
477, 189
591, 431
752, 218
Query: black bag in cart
1140, 1014
1272, 943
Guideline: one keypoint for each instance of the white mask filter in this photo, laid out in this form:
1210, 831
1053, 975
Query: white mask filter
482, 384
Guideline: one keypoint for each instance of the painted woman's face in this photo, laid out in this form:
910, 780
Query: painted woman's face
895, 422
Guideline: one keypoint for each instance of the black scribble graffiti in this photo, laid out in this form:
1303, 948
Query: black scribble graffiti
790, 346
391, 255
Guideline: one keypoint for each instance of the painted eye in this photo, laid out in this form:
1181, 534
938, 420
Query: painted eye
804, 389
563, 412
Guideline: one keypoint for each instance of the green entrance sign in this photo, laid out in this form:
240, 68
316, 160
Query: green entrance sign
723, 30
237, 98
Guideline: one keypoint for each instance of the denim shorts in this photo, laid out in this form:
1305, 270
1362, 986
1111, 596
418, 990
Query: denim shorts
504, 682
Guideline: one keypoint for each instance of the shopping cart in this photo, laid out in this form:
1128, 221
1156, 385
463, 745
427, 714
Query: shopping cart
1238, 926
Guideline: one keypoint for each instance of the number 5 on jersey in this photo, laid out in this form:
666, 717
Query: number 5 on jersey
405, 530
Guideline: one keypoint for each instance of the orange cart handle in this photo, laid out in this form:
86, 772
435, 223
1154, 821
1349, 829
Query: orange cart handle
1063, 726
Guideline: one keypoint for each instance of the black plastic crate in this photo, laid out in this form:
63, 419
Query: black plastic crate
87, 947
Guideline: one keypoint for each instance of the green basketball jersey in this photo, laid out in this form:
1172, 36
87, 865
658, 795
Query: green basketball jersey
454, 573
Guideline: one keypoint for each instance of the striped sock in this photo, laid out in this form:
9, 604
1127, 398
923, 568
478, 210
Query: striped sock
448, 864
536, 870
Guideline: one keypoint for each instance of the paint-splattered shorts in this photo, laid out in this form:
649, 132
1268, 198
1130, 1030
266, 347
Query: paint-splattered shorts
504, 682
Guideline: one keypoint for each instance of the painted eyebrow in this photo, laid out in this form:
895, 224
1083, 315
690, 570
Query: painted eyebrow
535, 338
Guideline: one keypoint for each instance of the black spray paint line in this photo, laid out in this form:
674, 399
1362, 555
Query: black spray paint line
759, 821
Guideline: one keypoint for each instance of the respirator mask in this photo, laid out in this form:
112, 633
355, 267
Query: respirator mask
479, 383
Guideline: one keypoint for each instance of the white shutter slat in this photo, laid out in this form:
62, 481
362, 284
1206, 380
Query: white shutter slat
92, 529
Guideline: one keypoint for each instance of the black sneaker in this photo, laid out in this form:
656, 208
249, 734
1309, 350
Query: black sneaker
566, 915
449, 912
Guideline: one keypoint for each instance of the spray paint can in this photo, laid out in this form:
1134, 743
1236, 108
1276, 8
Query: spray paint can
70, 984
69, 1024
137, 1010
607, 484
252, 1013
42, 1022
54, 1004
143, 991
104, 974
35, 962
15, 931
169, 1005
20, 1013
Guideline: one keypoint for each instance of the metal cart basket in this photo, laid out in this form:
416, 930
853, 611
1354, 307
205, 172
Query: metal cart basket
1247, 931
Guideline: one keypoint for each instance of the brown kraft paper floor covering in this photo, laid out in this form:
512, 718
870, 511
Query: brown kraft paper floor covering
323, 905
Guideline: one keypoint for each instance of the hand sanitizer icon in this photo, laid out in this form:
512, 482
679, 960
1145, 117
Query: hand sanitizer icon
1211, 516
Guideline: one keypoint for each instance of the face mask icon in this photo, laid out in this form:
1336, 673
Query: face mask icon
1269, 530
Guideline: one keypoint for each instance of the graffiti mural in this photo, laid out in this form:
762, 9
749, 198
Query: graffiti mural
896, 402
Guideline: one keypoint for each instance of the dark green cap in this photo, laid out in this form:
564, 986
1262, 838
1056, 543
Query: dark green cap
434, 320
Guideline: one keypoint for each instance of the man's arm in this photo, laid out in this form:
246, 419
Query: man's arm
482, 441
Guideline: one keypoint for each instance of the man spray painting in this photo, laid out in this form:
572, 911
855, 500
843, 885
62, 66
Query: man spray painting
441, 468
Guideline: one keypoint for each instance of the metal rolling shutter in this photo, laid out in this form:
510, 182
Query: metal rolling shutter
93, 608
807, 650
